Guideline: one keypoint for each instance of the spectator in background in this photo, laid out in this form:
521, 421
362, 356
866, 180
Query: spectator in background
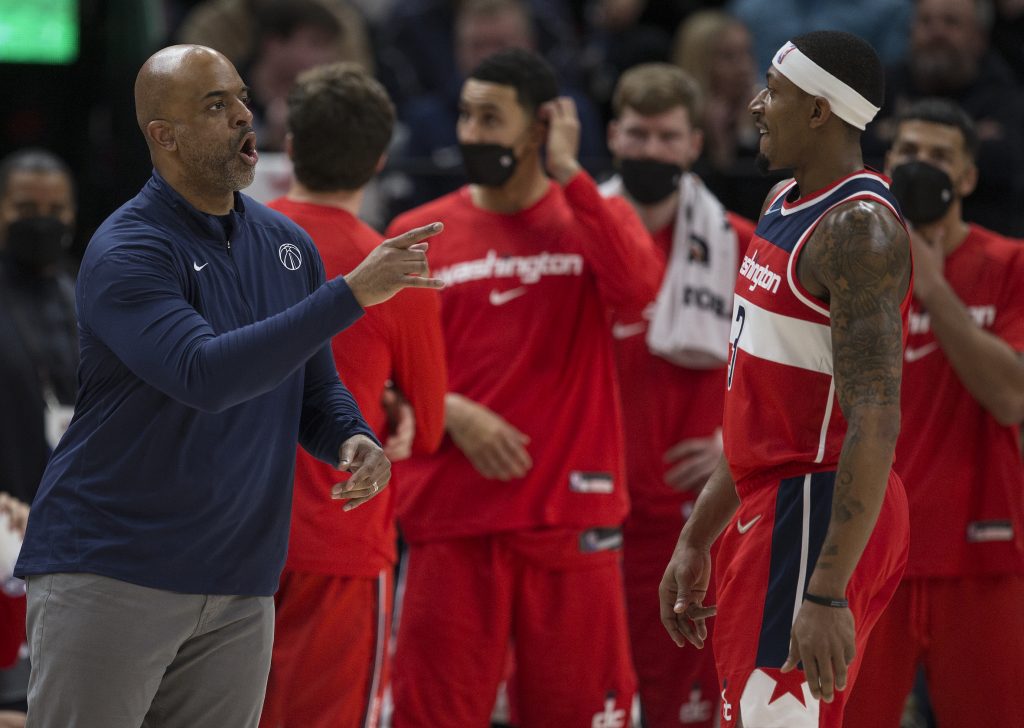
415, 46
429, 151
1008, 35
513, 525
38, 328
290, 36
715, 49
333, 607
950, 57
883, 23
229, 26
38, 332
958, 453
672, 388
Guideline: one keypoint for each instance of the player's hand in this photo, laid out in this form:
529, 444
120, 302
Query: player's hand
692, 461
370, 469
17, 513
401, 425
681, 595
929, 262
563, 142
496, 448
397, 263
823, 639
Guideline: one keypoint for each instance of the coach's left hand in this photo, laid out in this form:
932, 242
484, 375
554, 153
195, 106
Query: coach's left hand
370, 468
823, 639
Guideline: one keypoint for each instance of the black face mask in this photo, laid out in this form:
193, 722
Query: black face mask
37, 242
490, 165
923, 190
649, 181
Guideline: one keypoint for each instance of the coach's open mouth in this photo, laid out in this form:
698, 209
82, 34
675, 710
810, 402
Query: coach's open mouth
248, 149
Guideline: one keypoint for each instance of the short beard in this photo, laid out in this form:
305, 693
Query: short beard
764, 165
211, 171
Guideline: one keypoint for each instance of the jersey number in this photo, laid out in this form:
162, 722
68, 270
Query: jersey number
741, 318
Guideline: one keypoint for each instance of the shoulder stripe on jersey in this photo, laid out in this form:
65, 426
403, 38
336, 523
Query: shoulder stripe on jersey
784, 339
821, 194
812, 303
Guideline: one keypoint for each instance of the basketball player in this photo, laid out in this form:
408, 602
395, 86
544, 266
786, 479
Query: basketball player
513, 525
332, 616
672, 396
815, 521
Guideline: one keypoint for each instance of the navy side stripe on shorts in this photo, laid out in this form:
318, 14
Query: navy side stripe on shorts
785, 579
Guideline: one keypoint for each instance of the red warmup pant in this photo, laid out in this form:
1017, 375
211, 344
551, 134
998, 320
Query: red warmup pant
329, 664
766, 556
678, 686
555, 594
968, 633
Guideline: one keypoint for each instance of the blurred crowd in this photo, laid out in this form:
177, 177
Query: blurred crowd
966, 50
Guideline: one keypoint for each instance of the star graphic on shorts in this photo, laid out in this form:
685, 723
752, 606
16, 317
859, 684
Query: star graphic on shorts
790, 683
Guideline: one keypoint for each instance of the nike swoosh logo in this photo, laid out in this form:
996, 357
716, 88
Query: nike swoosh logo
744, 527
625, 331
199, 267
915, 354
500, 298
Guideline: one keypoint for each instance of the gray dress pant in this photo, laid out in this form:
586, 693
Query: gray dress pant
109, 654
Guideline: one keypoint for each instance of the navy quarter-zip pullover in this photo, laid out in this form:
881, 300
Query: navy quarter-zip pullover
205, 357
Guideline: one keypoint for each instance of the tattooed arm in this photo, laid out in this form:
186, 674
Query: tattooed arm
858, 260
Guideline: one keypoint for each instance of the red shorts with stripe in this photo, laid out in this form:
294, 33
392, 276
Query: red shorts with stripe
329, 664
678, 686
766, 556
967, 632
555, 595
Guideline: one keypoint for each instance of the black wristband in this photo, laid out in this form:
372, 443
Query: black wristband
826, 602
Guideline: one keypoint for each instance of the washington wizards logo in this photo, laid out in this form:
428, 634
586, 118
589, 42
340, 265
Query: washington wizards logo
785, 51
290, 256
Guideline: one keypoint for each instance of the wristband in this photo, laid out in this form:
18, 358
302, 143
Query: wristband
825, 601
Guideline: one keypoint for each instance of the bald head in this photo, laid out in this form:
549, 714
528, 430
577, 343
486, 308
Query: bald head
193, 110
172, 77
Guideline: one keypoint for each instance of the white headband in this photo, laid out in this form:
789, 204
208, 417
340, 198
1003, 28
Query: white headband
847, 104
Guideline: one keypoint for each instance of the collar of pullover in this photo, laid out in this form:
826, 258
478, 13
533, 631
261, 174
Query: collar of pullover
206, 226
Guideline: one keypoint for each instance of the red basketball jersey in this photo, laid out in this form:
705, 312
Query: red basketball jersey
781, 411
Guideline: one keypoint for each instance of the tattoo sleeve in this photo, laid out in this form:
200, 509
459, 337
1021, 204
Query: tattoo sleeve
861, 256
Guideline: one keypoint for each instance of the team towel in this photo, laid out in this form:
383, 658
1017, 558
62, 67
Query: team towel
693, 311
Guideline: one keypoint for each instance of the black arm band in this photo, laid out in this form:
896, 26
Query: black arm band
826, 602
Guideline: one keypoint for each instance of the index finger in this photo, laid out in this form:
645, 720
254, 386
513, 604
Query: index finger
411, 237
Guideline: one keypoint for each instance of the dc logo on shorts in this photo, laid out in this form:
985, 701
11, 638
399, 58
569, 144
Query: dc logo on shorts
290, 256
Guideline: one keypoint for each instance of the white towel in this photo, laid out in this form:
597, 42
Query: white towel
693, 311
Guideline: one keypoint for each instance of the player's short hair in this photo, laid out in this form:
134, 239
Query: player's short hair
654, 88
530, 75
34, 160
847, 57
947, 113
341, 121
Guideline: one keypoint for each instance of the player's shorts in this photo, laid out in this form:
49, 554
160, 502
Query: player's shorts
967, 632
555, 594
678, 686
329, 664
766, 556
